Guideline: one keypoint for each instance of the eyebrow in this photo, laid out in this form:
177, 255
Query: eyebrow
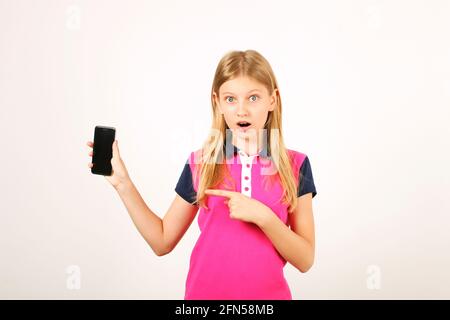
247, 92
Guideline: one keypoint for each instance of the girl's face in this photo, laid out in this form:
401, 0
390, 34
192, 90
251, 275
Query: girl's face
244, 100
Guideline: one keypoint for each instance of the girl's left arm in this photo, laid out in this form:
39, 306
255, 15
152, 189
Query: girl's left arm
295, 244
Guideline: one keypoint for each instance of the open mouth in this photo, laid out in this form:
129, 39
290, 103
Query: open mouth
243, 124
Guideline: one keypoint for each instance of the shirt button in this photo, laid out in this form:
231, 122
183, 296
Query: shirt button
248, 166
246, 189
246, 178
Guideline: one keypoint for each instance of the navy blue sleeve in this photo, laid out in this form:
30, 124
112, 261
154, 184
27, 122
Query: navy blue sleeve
306, 184
185, 186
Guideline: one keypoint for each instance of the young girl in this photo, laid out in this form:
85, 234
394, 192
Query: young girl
254, 196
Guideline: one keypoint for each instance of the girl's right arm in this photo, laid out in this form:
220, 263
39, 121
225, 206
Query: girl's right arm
161, 234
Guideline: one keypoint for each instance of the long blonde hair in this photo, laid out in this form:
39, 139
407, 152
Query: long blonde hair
210, 170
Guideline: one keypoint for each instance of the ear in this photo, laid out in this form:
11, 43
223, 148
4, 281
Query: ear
273, 100
216, 100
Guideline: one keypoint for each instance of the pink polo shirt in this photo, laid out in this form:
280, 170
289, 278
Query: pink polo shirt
233, 259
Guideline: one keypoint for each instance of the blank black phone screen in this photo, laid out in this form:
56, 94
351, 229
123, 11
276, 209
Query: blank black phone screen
102, 150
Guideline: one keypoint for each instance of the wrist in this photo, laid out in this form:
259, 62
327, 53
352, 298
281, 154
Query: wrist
124, 186
264, 218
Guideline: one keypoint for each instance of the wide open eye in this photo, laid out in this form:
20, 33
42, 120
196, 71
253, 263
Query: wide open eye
253, 100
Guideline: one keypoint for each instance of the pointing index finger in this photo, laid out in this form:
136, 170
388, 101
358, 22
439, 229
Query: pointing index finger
220, 193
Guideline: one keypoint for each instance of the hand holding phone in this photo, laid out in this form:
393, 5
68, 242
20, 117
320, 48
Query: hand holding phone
106, 158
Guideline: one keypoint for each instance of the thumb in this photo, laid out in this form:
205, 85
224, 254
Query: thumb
115, 147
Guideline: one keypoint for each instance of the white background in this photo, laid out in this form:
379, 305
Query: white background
365, 87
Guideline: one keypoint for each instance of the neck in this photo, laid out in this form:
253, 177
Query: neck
250, 145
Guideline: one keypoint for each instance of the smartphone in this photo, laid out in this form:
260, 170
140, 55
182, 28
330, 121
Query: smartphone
102, 150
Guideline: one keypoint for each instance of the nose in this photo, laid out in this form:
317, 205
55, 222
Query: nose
242, 109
